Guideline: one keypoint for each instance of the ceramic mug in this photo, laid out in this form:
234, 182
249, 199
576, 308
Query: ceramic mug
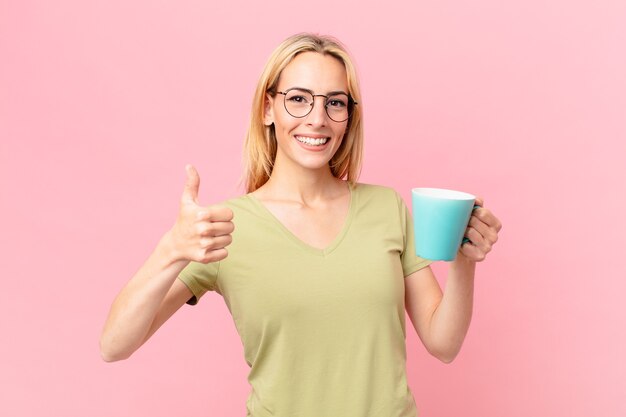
440, 218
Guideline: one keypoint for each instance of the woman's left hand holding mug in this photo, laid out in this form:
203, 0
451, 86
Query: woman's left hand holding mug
482, 231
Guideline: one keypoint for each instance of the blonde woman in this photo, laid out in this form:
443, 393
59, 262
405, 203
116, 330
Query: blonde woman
319, 268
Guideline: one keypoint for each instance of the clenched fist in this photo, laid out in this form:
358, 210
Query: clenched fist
200, 234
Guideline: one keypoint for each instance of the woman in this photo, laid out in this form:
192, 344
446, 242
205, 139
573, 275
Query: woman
320, 268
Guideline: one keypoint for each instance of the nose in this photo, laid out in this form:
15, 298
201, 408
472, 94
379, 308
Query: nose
317, 116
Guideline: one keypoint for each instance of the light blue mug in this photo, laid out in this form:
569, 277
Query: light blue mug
440, 218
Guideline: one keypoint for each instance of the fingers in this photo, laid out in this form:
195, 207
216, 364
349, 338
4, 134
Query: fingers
472, 252
482, 231
211, 248
192, 185
487, 217
213, 221
211, 229
478, 240
215, 213
213, 243
206, 256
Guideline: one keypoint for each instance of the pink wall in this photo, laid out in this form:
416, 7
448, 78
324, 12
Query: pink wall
103, 103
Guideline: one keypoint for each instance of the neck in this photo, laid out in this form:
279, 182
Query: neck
303, 185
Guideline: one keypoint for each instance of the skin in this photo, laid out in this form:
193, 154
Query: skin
313, 205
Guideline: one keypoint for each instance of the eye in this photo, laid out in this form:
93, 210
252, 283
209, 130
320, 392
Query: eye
336, 102
297, 99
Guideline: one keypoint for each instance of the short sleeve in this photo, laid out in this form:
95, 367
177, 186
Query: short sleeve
410, 261
199, 278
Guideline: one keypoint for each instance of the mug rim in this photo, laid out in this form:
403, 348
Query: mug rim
442, 193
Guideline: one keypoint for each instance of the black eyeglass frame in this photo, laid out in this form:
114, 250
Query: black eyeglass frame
351, 103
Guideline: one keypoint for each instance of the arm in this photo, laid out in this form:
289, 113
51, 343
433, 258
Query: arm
151, 297
441, 320
154, 294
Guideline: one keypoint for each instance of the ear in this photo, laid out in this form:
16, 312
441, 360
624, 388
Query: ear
268, 113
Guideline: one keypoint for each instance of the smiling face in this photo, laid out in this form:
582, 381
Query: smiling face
311, 141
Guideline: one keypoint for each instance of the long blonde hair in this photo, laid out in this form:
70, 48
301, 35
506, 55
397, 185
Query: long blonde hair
260, 144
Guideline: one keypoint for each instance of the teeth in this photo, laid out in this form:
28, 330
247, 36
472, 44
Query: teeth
312, 141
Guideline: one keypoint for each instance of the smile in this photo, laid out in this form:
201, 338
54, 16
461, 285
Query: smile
312, 141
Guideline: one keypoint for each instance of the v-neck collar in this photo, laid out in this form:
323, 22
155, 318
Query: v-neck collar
305, 246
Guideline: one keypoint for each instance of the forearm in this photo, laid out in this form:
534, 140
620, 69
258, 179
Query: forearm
136, 306
451, 319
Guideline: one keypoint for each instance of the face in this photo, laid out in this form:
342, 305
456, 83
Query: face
311, 141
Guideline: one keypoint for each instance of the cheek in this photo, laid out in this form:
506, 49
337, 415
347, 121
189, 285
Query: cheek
341, 136
283, 129
284, 122
341, 132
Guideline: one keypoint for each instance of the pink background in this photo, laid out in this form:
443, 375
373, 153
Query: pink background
102, 103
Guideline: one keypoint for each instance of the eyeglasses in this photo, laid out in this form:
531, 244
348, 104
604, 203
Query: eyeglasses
299, 102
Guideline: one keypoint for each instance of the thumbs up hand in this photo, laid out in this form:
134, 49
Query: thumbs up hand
200, 234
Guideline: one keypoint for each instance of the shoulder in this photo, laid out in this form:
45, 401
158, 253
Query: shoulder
375, 191
242, 202
237, 200
249, 210
378, 200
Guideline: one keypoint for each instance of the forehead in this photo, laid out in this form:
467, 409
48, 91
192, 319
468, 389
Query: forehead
317, 72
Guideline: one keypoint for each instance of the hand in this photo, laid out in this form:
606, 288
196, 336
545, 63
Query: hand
482, 232
200, 234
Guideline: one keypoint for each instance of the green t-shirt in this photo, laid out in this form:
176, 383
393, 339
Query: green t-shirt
323, 331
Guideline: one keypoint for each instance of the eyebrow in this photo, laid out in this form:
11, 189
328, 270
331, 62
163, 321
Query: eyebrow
330, 93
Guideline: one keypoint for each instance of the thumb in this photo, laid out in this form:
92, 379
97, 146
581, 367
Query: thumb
190, 194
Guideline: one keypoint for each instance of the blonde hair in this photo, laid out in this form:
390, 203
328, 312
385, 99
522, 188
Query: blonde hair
260, 144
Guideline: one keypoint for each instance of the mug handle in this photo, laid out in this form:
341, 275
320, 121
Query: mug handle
465, 240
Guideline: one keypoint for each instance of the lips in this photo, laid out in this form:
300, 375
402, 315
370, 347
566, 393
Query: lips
312, 140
